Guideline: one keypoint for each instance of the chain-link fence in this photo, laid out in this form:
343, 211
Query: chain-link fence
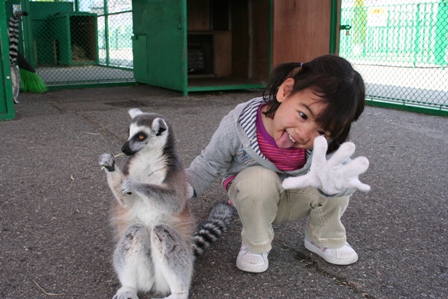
399, 46
81, 41
401, 49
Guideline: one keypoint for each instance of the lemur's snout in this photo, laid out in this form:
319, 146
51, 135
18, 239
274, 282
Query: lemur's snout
126, 149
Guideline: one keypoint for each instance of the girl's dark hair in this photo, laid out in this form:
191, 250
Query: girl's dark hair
334, 81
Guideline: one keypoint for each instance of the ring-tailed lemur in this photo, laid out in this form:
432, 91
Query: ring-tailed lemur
154, 228
13, 35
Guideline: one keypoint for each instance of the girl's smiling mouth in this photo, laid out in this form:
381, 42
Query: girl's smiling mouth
285, 140
290, 138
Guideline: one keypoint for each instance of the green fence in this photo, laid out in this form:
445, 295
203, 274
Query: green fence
401, 49
74, 43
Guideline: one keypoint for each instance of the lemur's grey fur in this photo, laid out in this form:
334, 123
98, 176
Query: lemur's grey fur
155, 232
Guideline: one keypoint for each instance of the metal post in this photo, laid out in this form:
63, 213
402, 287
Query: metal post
6, 103
333, 26
106, 31
417, 35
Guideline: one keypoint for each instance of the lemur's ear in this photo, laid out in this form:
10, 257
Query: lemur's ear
134, 112
159, 126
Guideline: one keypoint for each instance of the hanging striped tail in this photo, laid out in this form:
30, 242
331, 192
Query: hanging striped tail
212, 228
13, 34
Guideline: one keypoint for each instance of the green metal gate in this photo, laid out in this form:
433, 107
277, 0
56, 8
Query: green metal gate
166, 42
401, 49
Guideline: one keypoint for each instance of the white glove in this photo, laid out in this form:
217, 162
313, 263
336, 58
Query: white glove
331, 176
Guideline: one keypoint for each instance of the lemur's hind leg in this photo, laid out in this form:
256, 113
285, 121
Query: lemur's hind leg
115, 176
174, 257
132, 262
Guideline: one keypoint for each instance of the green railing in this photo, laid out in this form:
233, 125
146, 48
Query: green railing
401, 50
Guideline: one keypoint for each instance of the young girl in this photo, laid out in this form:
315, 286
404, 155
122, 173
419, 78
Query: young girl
272, 153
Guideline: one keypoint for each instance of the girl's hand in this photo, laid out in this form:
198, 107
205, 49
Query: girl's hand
331, 176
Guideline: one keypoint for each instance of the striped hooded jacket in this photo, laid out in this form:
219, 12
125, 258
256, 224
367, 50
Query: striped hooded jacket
234, 147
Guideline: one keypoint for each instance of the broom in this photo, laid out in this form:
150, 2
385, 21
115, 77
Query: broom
30, 80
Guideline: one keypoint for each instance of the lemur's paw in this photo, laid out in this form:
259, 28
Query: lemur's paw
126, 293
107, 161
129, 186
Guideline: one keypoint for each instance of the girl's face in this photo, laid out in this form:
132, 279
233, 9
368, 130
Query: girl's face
294, 122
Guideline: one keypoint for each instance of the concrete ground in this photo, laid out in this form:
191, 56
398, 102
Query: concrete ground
55, 236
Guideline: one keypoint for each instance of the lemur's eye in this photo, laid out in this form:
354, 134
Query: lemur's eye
140, 136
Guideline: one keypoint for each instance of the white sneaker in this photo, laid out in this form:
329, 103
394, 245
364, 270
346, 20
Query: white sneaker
252, 262
345, 255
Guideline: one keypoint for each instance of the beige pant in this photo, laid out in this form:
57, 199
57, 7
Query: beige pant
261, 201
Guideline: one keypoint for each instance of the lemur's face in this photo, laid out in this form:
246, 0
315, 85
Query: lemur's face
147, 132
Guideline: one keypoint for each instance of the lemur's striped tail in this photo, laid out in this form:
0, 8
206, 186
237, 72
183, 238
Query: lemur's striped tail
211, 229
13, 34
